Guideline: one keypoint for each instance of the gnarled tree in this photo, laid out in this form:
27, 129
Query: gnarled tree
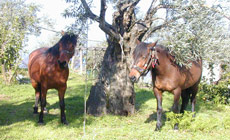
113, 91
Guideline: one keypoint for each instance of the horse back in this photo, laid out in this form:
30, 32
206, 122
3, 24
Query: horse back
193, 74
169, 76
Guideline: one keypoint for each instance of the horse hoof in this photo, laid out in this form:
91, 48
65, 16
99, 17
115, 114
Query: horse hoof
65, 122
40, 123
157, 129
35, 110
176, 127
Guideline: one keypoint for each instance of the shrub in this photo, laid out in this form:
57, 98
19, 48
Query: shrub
215, 93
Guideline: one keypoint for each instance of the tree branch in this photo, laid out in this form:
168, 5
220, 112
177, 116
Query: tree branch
106, 27
153, 10
217, 11
152, 30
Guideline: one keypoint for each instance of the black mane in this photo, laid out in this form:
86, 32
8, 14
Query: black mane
72, 38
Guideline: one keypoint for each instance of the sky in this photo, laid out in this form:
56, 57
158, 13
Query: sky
53, 9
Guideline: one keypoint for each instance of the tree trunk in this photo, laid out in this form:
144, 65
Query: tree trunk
113, 92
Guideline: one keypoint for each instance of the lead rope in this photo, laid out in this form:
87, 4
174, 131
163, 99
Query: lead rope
121, 42
86, 81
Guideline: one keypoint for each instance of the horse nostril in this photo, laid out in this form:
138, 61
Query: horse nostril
133, 79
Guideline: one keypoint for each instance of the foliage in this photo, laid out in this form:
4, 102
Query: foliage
184, 120
200, 33
215, 93
17, 120
17, 20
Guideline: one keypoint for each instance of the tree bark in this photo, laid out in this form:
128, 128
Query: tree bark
113, 92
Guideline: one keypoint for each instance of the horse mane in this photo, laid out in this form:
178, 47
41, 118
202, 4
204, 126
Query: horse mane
72, 38
53, 50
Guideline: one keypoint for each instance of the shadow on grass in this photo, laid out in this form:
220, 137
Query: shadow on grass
142, 96
14, 112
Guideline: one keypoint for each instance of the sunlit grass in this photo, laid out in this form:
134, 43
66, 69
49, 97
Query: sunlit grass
18, 122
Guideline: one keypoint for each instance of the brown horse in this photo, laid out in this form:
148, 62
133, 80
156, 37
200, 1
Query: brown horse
166, 76
48, 69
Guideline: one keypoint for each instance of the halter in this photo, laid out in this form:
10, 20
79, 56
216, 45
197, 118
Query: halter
152, 60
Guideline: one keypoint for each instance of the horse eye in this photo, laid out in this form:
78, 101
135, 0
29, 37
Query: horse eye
143, 57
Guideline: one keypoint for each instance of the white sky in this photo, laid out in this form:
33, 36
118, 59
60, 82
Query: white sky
53, 9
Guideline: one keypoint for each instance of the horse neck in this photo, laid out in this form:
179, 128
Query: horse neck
54, 51
163, 62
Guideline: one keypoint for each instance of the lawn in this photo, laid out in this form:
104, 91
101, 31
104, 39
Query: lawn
17, 122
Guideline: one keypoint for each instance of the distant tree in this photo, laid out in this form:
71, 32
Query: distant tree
113, 92
17, 20
95, 55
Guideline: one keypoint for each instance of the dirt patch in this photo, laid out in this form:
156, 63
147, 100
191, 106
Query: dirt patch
4, 97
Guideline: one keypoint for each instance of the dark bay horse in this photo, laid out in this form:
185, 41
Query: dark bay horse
166, 76
48, 69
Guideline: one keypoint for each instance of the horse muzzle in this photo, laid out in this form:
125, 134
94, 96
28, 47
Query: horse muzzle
63, 64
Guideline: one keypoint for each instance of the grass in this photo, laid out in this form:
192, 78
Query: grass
17, 122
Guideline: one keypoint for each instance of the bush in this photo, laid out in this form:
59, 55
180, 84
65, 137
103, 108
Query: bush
184, 120
215, 93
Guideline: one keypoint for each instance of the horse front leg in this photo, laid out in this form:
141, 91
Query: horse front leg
158, 95
61, 94
175, 107
43, 104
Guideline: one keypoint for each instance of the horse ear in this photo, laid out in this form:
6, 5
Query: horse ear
62, 33
138, 42
151, 45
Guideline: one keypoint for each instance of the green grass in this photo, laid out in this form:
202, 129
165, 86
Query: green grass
17, 122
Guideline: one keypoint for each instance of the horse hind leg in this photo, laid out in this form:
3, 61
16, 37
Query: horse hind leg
194, 91
43, 104
37, 88
185, 95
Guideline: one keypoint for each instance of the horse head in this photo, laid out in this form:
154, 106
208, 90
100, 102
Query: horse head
143, 57
67, 46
